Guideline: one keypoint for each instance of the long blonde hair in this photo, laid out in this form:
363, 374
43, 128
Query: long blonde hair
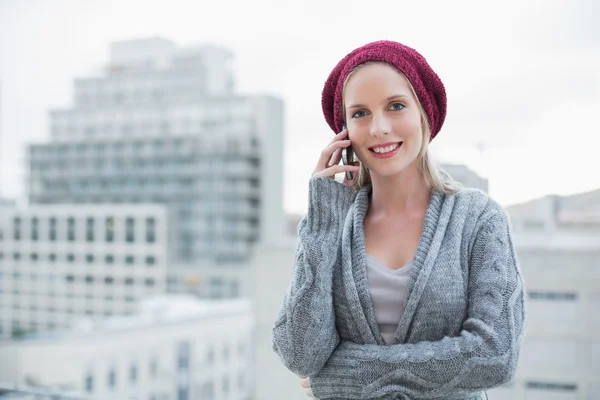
436, 178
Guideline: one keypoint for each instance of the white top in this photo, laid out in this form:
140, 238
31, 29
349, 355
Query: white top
388, 294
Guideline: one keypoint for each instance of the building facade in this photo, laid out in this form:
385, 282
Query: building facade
558, 244
174, 348
59, 263
163, 125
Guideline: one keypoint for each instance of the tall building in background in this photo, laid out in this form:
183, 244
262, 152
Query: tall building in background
160, 143
164, 125
558, 244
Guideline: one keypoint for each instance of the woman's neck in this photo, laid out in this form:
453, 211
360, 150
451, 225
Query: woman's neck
401, 194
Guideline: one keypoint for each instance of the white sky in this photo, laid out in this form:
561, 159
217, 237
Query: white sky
521, 77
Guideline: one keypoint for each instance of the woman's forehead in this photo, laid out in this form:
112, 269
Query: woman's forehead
378, 80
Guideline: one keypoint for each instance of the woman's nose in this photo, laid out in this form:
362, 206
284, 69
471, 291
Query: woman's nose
380, 126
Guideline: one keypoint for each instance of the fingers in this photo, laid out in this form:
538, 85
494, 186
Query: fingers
336, 169
335, 158
327, 152
305, 383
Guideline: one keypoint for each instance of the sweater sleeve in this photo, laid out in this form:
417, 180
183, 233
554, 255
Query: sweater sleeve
304, 333
482, 356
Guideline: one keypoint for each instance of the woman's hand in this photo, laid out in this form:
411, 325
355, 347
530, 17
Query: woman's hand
329, 162
305, 383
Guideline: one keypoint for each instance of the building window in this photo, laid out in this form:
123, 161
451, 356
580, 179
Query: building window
153, 367
52, 257
554, 386
225, 385
34, 256
129, 281
112, 379
150, 260
35, 223
71, 229
109, 224
129, 230
52, 232
109, 259
71, 258
17, 228
129, 260
553, 296
89, 383
89, 279
109, 280
133, 373
150, 230
149, 282
89, 234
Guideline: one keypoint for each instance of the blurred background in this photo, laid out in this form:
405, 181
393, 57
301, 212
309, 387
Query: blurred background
154, 161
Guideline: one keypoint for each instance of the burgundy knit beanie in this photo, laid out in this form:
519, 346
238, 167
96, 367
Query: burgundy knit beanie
428, 86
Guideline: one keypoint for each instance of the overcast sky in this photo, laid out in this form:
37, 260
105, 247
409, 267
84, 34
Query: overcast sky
522, 77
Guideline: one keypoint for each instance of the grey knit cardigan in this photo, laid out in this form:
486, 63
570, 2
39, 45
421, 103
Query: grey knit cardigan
463, 324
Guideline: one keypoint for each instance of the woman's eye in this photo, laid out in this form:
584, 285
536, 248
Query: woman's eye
397, 106
358, 114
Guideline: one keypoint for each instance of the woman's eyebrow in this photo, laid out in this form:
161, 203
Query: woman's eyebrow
392, 97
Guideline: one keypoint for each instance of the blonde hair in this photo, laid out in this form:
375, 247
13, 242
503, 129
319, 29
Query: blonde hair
436, 178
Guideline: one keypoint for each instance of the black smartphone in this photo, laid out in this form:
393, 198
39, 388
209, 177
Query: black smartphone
348, 158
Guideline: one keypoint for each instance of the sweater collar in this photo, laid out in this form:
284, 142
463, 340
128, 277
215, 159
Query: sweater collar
354, 267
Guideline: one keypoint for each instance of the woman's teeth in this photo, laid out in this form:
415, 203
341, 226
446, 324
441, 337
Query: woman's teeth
387, 149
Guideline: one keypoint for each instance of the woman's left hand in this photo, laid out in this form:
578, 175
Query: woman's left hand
305, 383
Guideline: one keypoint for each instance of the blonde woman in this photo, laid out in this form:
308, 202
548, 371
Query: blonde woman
405, 286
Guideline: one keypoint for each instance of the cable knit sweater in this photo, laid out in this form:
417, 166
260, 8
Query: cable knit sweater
462, 327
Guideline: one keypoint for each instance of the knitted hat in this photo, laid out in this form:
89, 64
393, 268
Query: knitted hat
428, 86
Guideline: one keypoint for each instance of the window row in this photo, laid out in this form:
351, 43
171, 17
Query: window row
70, 278
72, 229
71, 258
553, 296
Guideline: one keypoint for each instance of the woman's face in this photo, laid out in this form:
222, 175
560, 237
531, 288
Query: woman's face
383, 119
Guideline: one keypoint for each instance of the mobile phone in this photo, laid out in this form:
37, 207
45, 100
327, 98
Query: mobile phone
348, 158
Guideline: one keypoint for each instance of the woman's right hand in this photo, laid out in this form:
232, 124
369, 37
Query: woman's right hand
329, 162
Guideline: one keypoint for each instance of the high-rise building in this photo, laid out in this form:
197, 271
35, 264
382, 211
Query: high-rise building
163, 125
558, 243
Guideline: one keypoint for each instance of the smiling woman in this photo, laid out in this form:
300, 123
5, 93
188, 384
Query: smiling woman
402, 107
405, 285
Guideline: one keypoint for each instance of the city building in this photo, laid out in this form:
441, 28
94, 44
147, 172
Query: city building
63, 262
163, 125
466, 176
558, 243
175, 347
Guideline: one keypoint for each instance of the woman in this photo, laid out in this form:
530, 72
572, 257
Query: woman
405, 285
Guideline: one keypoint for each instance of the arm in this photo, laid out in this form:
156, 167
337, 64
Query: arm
304, 333
483, 356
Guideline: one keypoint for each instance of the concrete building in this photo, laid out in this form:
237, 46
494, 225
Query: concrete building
466, 176
62, 262
175, 348
163, 125
558, 243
